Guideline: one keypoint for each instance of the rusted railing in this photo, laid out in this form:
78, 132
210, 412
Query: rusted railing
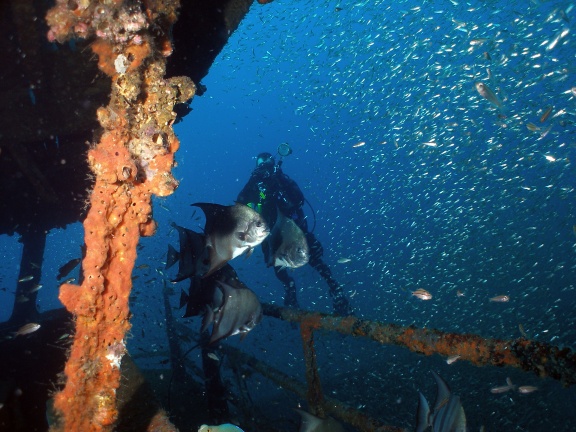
544, 359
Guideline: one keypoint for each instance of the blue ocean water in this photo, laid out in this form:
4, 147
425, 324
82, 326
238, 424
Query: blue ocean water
412, 175
448, 193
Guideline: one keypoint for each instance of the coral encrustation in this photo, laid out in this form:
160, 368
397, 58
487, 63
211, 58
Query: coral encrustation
131, 162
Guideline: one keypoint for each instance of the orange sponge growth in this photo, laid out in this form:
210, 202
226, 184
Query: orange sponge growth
132, 162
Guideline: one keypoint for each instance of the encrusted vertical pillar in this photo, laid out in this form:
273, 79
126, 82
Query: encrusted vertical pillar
131, 162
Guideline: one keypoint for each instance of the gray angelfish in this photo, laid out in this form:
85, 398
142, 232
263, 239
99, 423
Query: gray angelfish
231, 231
448, 414
311, 423
287, 244
202, 290
235, 309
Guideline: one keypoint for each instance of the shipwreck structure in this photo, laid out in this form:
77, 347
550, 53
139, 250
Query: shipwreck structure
90, 91
86, 134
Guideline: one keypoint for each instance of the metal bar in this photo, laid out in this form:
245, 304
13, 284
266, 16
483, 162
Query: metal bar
314, 394
335, 408
539, 357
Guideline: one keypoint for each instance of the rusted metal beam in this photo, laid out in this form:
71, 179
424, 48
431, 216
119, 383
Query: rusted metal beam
314, 394
333, 407
541, 358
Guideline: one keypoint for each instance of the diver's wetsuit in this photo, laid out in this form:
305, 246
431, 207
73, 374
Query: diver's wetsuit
269, 189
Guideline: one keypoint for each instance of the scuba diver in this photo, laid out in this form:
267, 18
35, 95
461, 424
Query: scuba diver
268, 191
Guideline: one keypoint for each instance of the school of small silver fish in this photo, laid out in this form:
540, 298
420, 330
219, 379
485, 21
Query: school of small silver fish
448, 133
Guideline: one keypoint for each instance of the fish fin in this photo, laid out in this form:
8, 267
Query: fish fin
309, 422
215, 265
207, 319
276, 237
443, 392
199, 295
229, 274
278, 262
217, 316
183, 299
459, 424
172, 258
450, 417
207, 208
267, 252
219, 253
215, 215
248, 252
200, 253
423, 414
193, 256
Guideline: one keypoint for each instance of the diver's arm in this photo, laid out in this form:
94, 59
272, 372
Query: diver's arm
290, 190
290, 199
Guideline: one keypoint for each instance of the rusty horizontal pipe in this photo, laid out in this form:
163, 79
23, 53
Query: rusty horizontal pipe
539, 357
